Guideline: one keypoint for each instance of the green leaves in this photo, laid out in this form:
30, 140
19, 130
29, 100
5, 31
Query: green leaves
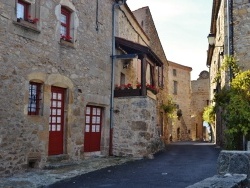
169, 108
234, 102
209, 114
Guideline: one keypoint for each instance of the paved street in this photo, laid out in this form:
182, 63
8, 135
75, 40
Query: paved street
181, 165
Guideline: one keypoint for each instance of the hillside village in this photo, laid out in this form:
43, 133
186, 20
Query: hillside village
83, 78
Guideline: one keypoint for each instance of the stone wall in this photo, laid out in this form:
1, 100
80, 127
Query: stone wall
135, 130
200, 99
182, 98
36, 53
234, 162
241, 27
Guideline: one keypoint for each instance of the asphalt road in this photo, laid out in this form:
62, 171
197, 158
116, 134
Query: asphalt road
180, 165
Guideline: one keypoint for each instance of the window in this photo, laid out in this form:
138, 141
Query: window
65, 24
175, 87
122, 79
34, 98
174, 72
27, 12
22, 10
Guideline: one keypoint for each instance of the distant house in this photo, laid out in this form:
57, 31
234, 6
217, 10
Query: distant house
179, 77
199, 100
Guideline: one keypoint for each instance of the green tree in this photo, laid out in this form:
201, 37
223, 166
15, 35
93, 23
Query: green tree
235, 102
237, 110
209, 117
209, 114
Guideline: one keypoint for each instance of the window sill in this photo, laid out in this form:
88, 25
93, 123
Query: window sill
27, 25
67, 43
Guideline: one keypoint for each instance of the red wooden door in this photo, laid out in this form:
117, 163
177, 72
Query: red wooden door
92, 136
56, 121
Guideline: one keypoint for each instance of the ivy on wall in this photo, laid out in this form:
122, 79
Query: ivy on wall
235, 102
169, 108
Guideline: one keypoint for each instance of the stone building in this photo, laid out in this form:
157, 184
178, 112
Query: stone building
56, 80
231, 33
145, 19
136, 130
199, 100
180, 91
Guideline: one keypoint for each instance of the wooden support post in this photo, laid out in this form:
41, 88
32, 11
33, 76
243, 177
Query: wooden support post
143, 74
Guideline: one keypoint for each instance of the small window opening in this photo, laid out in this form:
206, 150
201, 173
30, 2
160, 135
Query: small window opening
65, 24
34, 98
22, 10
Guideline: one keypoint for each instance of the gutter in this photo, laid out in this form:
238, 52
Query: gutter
230, 33
113, 57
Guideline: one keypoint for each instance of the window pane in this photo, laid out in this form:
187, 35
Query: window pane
87, 128
53, 127
97, 128
63, 18
63, 30
59, 96
34, 98
94, 111
93, 128
88, 110
54, 112
87, 119
98, 111
20, 11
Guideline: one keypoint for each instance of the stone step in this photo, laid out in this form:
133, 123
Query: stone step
57, 161
51, 166
58, 158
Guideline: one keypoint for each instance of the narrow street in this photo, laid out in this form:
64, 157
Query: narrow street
180, 165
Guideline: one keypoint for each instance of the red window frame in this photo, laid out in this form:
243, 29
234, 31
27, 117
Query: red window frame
26, 9
34, 98
66, 13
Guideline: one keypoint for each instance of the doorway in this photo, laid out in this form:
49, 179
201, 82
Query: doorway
56, 121
93, 122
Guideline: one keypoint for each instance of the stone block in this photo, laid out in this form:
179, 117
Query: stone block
226, 181
139, 126
234, 162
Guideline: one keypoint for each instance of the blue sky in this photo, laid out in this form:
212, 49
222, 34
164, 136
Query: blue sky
183, 26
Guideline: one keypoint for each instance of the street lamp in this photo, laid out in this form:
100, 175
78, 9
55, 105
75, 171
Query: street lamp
211, 39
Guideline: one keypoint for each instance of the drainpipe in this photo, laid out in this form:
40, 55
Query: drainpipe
112, 74
230, 33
